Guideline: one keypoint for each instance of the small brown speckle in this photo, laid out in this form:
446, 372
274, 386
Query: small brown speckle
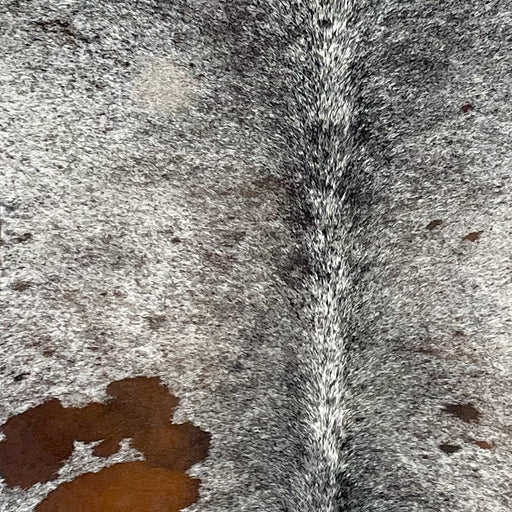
433, 224
428, 350
20, 286
472, 237
176, 240
467, 107
485, 445
466, 412
449, 448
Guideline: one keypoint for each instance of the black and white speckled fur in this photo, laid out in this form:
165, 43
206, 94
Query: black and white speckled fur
234, 196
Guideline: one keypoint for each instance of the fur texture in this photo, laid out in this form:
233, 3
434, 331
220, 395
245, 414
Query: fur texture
295, 213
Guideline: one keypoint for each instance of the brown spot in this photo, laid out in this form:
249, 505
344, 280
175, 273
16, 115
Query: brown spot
65, 29
429, 351
20, 286
485, 445
128, 487
472, 237
38, 442
176, 240
433, 224
269, 183
449, 448
262, 186
459, 334
466, 412
467, 107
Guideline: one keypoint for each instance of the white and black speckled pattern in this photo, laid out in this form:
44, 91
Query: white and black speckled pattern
234, 196
158, 230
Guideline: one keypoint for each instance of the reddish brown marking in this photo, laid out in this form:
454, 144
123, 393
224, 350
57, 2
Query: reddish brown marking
467, 107
485, 445
472, 237
20, 286
466, 412
433, 224
128, 487
39, 441
450, 448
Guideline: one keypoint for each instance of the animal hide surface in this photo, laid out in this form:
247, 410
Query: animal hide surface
296, 215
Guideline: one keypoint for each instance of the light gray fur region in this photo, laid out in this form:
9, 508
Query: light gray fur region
141, 150
238, 197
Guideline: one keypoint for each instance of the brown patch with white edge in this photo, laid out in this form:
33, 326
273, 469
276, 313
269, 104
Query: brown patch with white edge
38, 442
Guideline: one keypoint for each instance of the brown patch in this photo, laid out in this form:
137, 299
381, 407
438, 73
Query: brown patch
429, 351
20, 286
472, 237
467, 107
485, 445
433, 224
269, 183
140, 409
262, 186
450, 448
65, 29
447, 356
128, 487
459, 334
466, 412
